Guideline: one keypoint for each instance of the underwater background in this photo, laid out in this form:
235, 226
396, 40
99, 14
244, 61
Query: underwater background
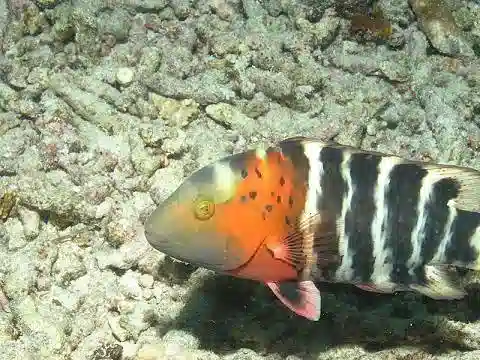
106, 106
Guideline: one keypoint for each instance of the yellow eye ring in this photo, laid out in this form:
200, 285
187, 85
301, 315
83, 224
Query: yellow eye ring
204, 209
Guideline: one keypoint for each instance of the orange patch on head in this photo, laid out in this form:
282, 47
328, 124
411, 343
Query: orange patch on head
268, 201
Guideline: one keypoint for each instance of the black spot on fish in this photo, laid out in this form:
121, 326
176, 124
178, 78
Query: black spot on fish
272, 194
259, 174
287, 220
269, 208
279, 199
290, 201
243, 198
244, 173
252, 194
282, 181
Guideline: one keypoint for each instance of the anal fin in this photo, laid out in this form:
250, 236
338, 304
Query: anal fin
441, 283
303, 297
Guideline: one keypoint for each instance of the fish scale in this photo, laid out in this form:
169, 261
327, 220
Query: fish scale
410, 236
359, 216
435, 211
307, 211
401, 198
462, 249
331, 183
404, 182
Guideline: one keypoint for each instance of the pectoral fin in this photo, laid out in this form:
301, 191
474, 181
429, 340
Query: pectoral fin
303, 297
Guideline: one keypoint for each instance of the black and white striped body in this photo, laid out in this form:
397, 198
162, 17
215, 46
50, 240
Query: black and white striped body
394, 220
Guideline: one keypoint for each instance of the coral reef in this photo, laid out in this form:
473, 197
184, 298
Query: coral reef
105, 106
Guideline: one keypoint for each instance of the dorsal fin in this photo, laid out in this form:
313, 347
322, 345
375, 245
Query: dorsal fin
468, 179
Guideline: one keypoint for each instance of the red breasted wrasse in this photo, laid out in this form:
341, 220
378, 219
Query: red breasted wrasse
305, 211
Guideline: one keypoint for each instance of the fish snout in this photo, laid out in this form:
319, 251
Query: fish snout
180, 241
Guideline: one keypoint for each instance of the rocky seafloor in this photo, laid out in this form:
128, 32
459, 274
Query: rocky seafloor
105, 106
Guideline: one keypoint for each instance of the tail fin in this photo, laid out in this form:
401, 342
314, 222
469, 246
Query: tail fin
458, 241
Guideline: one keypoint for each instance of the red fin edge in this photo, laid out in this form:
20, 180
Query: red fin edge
308, 304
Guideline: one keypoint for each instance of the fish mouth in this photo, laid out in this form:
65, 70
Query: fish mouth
188, 249
190, 262
166, 246
176, 259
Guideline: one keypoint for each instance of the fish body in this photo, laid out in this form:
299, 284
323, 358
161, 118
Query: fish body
306, 211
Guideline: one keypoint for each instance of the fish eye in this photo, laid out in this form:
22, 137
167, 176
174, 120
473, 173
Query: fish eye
204, 209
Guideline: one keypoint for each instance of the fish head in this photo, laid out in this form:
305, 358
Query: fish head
229, 215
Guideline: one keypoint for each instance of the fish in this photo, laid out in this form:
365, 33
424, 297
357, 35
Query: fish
302, 212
